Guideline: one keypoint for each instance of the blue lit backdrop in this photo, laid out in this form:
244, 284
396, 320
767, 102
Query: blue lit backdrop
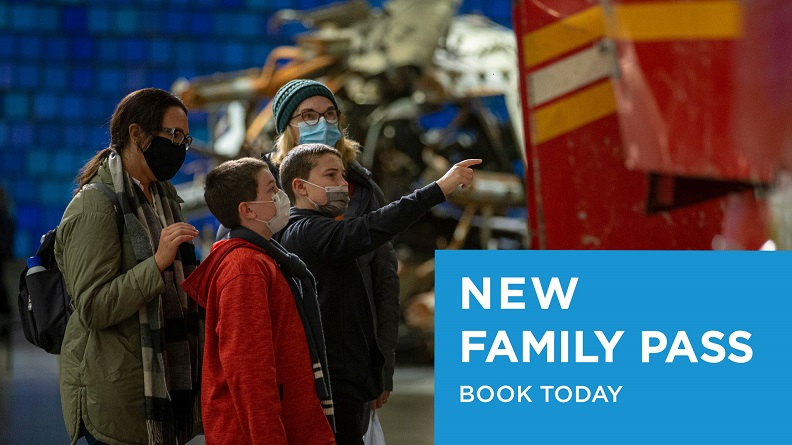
64, 65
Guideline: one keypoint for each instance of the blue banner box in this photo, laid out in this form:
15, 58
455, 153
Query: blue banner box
612, 347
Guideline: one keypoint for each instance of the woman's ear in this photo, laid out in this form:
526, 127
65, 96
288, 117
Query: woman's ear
137, 136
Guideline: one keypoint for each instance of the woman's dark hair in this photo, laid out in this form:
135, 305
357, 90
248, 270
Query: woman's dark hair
144, 107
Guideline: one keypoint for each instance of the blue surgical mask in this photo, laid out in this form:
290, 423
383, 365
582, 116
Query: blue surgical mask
321, 133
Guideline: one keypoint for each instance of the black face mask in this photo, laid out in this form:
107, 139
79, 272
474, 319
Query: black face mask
164, 159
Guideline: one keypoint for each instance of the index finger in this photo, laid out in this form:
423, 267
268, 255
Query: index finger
468, 162
182, 224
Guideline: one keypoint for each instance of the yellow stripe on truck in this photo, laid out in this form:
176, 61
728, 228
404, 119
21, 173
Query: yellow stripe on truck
649, 21
563, 36
691, 20
573, 112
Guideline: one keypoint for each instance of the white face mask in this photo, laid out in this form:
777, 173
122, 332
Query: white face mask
281, 218
337, 199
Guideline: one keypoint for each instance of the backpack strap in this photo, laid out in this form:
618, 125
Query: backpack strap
114, 200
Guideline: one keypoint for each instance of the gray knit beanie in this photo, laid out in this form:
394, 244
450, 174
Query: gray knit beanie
291, 95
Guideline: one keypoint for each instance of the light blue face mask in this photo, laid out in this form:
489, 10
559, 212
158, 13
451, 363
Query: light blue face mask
321, 133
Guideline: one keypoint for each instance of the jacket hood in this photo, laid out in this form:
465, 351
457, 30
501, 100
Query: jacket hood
198, 283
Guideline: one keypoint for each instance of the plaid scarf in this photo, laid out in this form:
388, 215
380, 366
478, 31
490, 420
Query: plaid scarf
303, 289
171, 335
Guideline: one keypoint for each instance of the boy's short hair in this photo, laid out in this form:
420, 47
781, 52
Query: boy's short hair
299, 162
230, 184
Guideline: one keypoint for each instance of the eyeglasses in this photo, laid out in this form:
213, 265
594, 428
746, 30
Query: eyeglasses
178, 137
311, 117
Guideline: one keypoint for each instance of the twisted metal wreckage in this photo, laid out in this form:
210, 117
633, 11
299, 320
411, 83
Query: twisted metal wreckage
389, 68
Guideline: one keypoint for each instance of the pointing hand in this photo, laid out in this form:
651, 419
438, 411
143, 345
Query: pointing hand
459, 174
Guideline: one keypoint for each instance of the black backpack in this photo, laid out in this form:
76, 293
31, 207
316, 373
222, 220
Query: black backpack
44, 303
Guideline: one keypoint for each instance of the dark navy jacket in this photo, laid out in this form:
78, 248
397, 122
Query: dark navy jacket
379, 269
331, 249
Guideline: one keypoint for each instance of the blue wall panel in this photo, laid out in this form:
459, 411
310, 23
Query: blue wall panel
27, 76
29, 48
50, 134
6, 46
55, 78
23, 18
65, 64
45, 106
57, 48
6, 75
16, 105
21, 135
99, 20
74, 19
83, 79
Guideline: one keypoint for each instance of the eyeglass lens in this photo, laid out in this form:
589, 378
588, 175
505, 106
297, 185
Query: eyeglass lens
178, 137
311, 117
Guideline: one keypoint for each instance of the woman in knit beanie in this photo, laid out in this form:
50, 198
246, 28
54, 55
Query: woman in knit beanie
305, 111
294, 108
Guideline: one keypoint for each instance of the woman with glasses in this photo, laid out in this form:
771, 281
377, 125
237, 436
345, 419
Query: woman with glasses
306, 111
130, 359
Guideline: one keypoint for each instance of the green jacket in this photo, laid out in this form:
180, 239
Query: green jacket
101, 372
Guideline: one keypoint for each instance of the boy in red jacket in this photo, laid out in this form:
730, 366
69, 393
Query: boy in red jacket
264, 370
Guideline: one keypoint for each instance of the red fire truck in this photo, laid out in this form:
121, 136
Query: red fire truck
656, 124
